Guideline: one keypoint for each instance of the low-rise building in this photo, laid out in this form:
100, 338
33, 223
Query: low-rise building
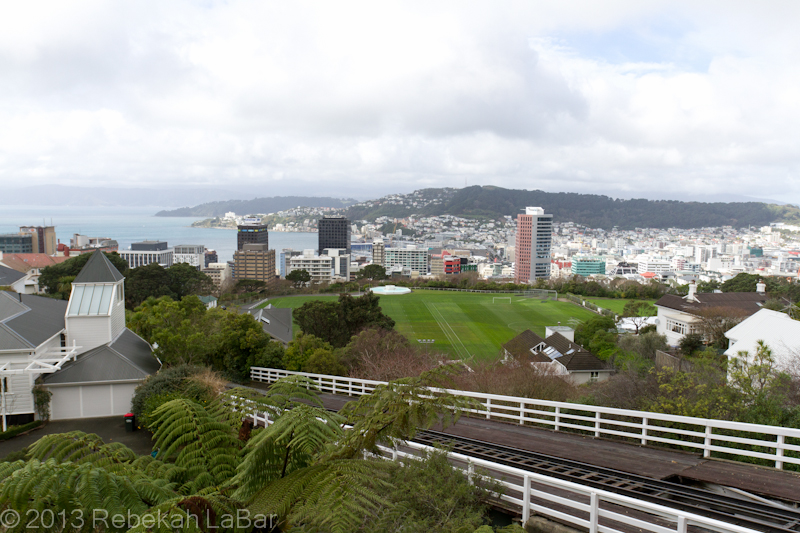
219, 273
416, 260
320, 267
192, 254
147, 252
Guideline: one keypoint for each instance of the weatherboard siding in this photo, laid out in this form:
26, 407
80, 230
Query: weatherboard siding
19, 399
88, 332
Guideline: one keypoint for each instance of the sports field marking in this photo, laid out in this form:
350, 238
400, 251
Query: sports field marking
503, 298
452, 336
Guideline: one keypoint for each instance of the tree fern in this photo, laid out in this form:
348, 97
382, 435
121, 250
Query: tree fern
203, 445
335, 496
290, 443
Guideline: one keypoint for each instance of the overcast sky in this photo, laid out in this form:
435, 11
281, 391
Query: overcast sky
626, 98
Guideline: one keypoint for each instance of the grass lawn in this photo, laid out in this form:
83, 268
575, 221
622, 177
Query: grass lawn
614, 304
465, 324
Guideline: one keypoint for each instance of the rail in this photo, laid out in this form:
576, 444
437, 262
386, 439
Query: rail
735, 440
594, 509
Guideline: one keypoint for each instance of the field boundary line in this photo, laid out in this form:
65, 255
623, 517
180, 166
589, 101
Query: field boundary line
444, 326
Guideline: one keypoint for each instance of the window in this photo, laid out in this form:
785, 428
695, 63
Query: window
593, 377
6, 390
681, 328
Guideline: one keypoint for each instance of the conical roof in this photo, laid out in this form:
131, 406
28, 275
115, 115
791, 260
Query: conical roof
98, 269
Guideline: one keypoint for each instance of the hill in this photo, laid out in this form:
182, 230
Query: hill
587, 209
257, 205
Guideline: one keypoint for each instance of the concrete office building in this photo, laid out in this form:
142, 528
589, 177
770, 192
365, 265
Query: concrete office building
218, 272
15, 243
147, 252
412, 258
283, 260
320, 267
255, 261
586, 266
340, 262
334, 233
378, 252
534, 240
252, 232
43, 238
193, 254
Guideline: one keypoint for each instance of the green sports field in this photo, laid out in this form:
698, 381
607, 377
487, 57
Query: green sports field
614, 304
465, 324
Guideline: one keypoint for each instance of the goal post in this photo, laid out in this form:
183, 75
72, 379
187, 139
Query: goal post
542, 294
495, 298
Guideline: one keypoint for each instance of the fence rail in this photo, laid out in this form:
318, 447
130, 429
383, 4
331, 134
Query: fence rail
762, 442
594, 509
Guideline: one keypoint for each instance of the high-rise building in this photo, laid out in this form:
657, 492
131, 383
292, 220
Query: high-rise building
378, 252
210, 257
43, 238
252, 233
334, 232
255, 261
16, 243
534, 239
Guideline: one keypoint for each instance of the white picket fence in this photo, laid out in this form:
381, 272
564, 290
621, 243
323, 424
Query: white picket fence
594, 509
634, 426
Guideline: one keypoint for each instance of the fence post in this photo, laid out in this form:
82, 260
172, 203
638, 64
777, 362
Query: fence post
597, 419
594, 508
470, 472
681, 524
558, 419
522, 413
526, 499
488, 408
644, 430
779, 452
707, 442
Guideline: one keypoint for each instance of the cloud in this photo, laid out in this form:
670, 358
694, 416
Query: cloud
364, 98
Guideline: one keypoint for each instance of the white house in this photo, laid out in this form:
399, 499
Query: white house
679, 316
80, 348
778, 330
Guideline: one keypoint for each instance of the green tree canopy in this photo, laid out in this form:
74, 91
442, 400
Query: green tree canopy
373, 272
336, 322
299, 277
56, 279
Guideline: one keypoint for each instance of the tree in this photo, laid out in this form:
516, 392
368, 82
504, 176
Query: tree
299, 277
184, 279
149, 281
373, 272
637, 313
53, 276
585, 332
715, 321
337, 322
249, 285
691, 343
300, 350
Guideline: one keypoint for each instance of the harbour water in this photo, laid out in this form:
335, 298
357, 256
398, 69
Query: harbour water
132, 224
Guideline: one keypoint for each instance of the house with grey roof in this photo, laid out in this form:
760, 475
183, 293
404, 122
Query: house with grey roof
13, 279
79, 349
275, 321
558, 354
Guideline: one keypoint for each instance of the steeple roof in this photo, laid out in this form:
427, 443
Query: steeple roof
98, 269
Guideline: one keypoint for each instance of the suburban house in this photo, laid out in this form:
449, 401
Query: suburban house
557, 353
679, 316
11, 278
31, 266
276, 322
779, 331
80, 349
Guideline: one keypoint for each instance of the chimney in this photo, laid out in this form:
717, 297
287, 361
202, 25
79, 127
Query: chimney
761, 287
692, 291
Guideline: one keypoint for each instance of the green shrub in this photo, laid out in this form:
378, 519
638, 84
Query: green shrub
166, 381
16, 430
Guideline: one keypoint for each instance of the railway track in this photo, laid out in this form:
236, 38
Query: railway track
745, 513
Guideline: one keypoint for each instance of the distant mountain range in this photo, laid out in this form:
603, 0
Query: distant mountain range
257, 205
587, 209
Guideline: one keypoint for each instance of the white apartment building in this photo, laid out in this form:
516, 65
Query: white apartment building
412, 258
678, 263
652, 264
147, 252
341, 262
193, 254
320, 267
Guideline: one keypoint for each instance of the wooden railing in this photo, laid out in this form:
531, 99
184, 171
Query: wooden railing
731, 440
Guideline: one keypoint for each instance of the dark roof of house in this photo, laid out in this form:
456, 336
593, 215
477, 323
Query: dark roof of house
98, 269
9, 275
522, 346
276, 321
747, 302
31, 318
556, 348
129, 357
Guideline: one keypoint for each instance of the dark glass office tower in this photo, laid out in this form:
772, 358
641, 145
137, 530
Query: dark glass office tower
334, 232
252, 234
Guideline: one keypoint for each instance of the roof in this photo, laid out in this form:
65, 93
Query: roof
276, 322
778, 330
557, 348
9, 276
25, 262
207, 299
747, 302
127, 358
34, 319
98, 269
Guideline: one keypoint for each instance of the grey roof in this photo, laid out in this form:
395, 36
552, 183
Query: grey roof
98, 269
521, 345
129, 357
11, 341
276, 321
556, 348
9, 275
747, 303
39, 318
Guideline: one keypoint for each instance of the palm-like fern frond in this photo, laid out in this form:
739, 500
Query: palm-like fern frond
290, 443
80, 447
202, 512
335, 496
204, 446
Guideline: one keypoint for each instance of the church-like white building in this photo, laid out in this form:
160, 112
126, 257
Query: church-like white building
81, 349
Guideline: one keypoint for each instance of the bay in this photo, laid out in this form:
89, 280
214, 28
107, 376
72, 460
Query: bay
133, 224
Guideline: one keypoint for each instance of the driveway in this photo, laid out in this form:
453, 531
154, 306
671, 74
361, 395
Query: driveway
110, 429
